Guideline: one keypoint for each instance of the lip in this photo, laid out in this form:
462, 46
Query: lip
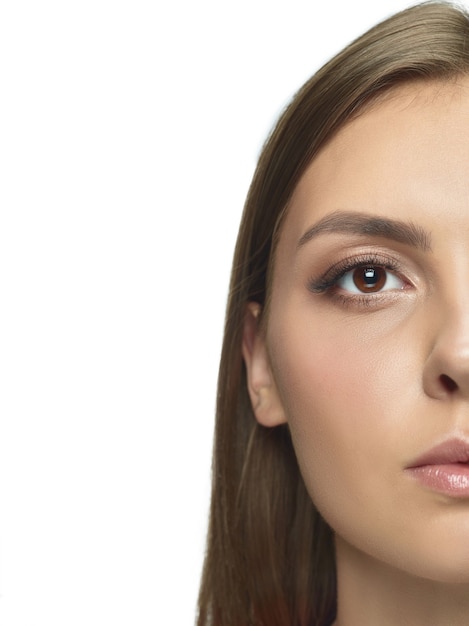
444, 468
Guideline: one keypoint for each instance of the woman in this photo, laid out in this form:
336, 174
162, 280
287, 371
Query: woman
340, 485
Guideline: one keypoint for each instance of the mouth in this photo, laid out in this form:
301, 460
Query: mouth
444, 468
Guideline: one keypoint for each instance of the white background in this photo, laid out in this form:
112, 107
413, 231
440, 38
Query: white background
129, 131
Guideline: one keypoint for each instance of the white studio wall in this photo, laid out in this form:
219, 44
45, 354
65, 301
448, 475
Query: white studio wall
129, 133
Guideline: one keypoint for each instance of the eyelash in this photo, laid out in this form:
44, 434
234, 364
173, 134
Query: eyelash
327, 283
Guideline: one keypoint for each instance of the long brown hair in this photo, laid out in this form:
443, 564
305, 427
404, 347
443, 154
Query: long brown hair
270, 556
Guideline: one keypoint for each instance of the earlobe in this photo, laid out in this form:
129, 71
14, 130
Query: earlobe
265, 400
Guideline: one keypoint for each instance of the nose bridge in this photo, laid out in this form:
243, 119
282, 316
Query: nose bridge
455, 330
447, 367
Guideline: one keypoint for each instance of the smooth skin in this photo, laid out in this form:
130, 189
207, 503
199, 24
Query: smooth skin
369, 380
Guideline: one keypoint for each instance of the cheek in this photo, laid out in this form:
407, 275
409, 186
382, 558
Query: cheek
356, 412
347, 396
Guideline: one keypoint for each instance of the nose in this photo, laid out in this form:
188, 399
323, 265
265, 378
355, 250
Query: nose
446, 371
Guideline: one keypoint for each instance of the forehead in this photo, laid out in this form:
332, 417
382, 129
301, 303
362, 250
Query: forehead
389, 159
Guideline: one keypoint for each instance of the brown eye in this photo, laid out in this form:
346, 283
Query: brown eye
369, 279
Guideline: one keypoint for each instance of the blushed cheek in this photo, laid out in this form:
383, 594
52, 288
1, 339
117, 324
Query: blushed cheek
342, 407
329, 373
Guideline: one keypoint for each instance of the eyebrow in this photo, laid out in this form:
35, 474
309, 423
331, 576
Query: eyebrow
366, 224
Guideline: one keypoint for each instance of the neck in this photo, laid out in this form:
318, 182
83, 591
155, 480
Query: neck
371, 592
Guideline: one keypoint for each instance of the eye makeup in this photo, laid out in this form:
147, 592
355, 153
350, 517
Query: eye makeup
364, 279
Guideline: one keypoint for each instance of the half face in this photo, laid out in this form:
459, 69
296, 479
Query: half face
366, 352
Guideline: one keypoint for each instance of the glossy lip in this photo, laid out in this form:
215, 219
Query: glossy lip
444, 468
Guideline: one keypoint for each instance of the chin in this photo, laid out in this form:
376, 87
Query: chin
443, 555
444, 570
440, 557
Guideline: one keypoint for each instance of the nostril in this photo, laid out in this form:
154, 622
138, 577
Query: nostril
448, 383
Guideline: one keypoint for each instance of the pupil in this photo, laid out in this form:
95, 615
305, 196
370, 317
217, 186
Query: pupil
369, 276
369, 279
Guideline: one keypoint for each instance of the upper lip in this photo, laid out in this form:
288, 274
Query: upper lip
453, 450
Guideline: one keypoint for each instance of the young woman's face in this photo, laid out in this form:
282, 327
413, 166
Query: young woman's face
368, 331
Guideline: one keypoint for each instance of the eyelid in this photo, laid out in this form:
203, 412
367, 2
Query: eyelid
334, 272
325, 283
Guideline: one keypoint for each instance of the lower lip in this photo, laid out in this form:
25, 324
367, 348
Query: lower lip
451, 479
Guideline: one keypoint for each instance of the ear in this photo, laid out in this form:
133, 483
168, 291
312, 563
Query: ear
263, 391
